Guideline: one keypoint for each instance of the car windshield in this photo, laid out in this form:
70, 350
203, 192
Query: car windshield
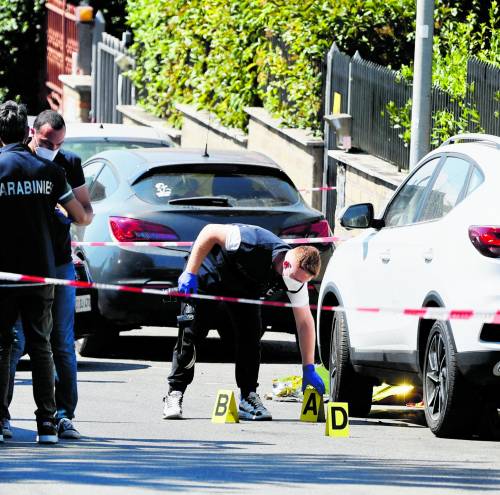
86, 148
239, 189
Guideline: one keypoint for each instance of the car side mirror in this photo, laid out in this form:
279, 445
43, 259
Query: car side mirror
358, 216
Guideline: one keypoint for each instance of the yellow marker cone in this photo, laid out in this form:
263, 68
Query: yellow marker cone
313, 409
225, 410
337, 419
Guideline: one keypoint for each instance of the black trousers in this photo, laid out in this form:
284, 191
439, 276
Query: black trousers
196, 319
34, 305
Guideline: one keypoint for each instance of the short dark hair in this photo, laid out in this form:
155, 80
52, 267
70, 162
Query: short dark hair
50, 117
13, 122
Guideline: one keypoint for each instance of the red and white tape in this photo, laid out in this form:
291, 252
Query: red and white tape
306, 240
483, 315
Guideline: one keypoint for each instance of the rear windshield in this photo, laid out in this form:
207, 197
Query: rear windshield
239, 189
86, 149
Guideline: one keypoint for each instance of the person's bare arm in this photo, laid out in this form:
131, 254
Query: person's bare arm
82, 195
306, 332
209, 236
76, 212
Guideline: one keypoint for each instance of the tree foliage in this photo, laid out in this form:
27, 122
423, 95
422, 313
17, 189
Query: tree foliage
22, 51
228, 54
224, 55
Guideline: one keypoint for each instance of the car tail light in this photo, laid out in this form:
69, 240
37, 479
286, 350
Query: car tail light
316, 229
486, 240
127, 229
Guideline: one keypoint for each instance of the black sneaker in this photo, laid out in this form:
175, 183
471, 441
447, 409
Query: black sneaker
252, 409
6, 429
47, 431
66, 429
1, 432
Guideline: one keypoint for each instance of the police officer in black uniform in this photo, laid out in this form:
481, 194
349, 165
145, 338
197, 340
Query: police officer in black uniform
30, 188
49, 133
242, 261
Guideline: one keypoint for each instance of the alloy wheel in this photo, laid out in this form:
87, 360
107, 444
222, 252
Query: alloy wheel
436, 377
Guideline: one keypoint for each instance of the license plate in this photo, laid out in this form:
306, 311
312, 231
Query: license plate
82, 303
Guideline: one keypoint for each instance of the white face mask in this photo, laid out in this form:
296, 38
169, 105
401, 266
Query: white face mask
292, 284
46, 153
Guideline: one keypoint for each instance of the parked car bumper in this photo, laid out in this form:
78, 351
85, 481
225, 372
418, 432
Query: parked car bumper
480, 367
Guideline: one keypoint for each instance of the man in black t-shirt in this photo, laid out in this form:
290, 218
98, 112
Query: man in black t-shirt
242, 261
30, 188
49, 133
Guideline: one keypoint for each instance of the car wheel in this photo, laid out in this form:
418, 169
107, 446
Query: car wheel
345, 384
444, 388
96, 345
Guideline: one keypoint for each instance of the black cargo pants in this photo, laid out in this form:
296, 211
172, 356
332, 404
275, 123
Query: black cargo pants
195, 320
34, 305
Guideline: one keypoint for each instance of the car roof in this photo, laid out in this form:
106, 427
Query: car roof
118, 132
135, 163
193, 156
485, 153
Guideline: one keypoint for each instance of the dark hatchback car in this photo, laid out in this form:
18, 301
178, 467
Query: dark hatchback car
169, 195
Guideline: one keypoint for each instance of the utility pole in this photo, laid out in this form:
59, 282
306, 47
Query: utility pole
422, 82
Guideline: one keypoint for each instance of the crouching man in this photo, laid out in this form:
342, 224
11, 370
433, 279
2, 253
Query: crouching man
248, 262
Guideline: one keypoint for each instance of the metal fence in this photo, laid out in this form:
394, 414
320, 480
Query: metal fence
62, 44
339, 88
483, 82
378, 101
110, 85
372, 89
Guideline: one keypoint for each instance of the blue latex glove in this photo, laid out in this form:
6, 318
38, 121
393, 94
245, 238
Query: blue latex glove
62, 217
188, 283
310, 377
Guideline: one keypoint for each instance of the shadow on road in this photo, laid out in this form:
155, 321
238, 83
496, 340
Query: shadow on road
160, 348
193, 466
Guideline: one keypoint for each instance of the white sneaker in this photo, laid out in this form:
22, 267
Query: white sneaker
173, 405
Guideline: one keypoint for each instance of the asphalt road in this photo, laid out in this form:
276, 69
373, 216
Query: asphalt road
127, 448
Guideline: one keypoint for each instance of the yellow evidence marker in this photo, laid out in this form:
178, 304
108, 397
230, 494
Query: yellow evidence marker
225, 410
313, 409
337, 419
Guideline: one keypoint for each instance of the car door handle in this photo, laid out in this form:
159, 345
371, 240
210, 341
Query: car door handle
385, 256
428, 255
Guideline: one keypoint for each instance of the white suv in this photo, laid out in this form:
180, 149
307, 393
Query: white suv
437, 244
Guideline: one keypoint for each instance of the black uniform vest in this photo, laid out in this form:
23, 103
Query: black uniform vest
248, 271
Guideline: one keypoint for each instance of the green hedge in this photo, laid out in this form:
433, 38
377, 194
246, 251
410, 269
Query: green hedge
22, 51
228, 54
224, 55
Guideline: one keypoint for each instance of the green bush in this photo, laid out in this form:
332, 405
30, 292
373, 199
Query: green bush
22, 51
225, 55
458, 36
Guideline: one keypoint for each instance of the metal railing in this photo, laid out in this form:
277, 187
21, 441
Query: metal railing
483, 82
62, 43
372, 89
368, 91
110, 85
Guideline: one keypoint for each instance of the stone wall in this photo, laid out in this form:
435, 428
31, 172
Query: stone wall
298, 153
363, 178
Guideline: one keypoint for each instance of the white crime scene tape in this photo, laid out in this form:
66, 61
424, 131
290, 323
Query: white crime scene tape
484, 315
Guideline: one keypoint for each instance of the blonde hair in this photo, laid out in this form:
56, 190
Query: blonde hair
308, 259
